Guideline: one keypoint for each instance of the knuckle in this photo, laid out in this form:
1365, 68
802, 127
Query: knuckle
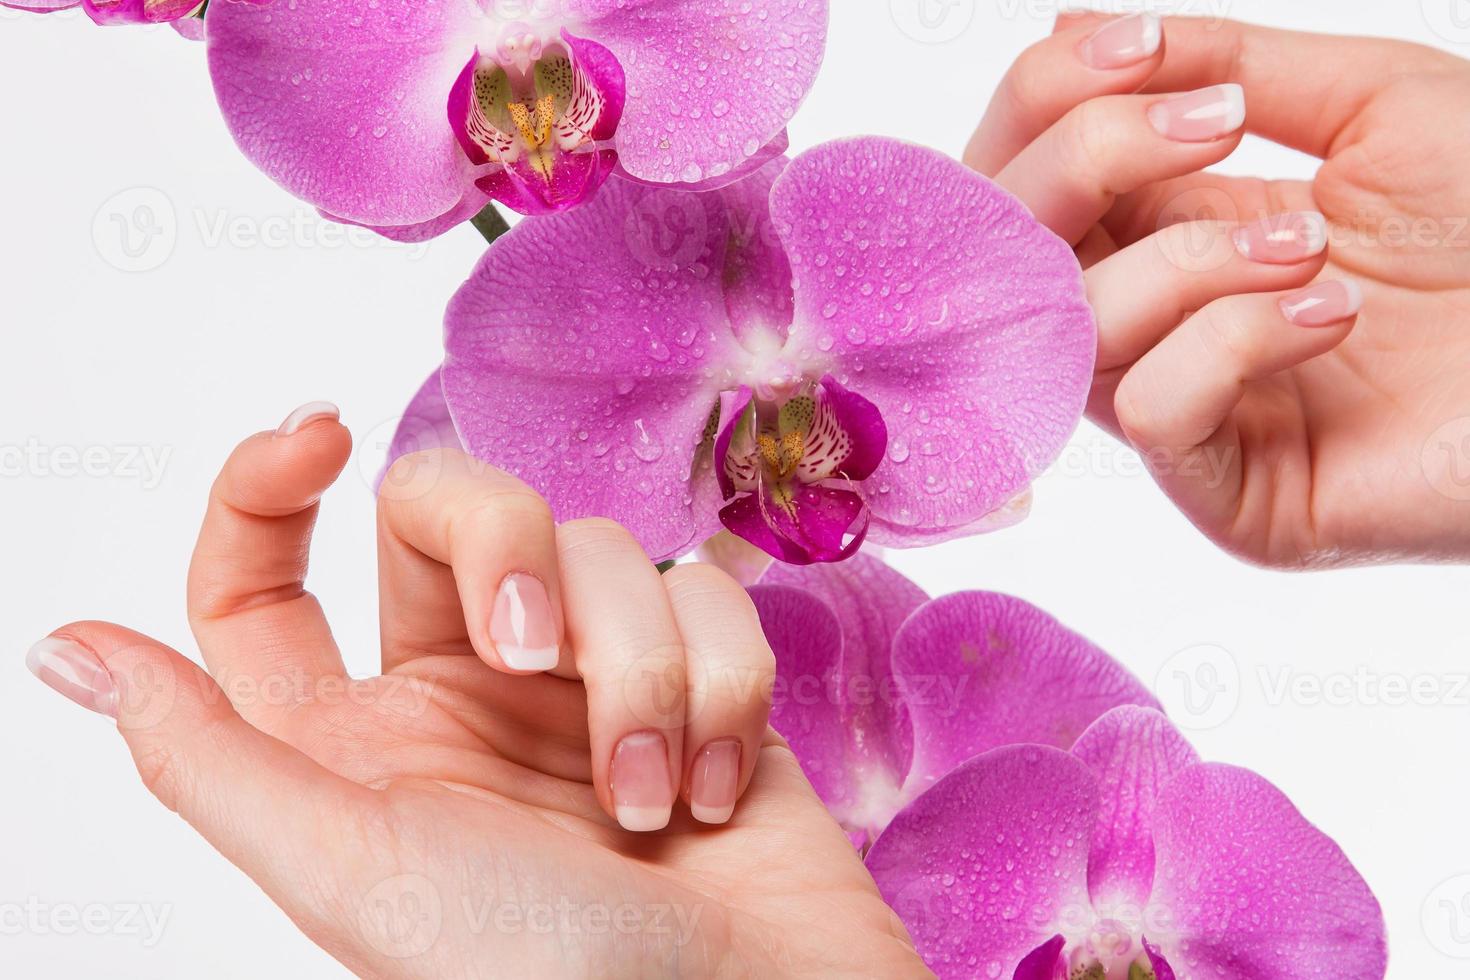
1131, 407
163, 772
1229, 336
1027, 85
493, 513
1091, 137
700, 580
590, 538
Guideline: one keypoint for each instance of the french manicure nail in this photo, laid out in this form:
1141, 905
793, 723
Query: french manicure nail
307, 414
1283, 239
72, 670
1122, 42
1323, 304
522, 624
714, 781
1201, 116
643, 795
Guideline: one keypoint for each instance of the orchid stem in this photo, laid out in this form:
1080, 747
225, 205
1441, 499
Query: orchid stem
490, 224
664, 566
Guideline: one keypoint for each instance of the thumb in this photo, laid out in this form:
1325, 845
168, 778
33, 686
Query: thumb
269, 809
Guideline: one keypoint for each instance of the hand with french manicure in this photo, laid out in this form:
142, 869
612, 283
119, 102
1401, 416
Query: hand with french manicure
565, 760
1289, 357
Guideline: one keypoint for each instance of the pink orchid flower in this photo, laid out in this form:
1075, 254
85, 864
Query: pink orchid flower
1026, 809
871, 340
410, 115
108, 12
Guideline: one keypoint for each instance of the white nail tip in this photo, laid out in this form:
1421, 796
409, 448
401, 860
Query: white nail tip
520, 658
643, 819
1354, 295
1232, 98
711, 814
1153, 33
307, 413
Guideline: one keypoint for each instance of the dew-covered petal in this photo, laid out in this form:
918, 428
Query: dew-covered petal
1253, 890
985, 866
40, 6
871, 600
1162, 969
1043, 962
710, 85
1134, 752
425, 425
108, 12
344, 103
585, 355
942, 300
1008, 514
837, 743
982, 670
471, 204
820, 524
575, 177
757, 275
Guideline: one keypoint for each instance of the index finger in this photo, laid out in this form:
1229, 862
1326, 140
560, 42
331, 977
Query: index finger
1303, 89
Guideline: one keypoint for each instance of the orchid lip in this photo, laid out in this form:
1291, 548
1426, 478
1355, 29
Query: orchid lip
537, 111
790, 459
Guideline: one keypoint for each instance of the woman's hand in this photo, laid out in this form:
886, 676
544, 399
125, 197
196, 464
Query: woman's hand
1294, 427
459, 815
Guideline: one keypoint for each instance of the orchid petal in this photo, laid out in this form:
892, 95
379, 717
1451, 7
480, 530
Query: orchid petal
1009, 514
823, 524
40, 6
108, 12
951, 308
986, 865
471, 204
871, 601
982, 670
710, 85
1042, 962
1134, 751
1255, 892
582, 357
343, 103
810, 707
1161, 967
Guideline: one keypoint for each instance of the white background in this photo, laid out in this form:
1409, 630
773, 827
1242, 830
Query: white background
246, 306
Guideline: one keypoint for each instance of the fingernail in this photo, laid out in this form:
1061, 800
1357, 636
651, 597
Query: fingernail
643, 796
1122, 42
72, 670
522, 624
1283, 239
1197, 117
714, 781
1323, 304
307, 414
